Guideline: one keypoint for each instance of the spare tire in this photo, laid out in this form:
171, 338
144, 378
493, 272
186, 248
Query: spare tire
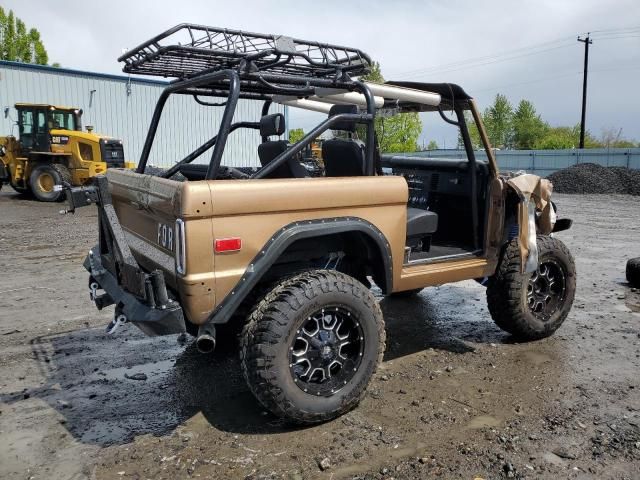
633, 272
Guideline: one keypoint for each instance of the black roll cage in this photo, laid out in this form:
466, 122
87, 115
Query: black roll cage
228, 83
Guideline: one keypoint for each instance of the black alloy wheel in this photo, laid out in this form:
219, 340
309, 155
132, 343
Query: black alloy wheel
327, 351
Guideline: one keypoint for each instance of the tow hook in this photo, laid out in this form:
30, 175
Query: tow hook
115, 323
93, 291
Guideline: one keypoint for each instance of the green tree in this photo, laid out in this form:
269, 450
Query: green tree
397, 133
295, 135
498, 121
557, 138
375, 75
528, 127
525, 129
565, 137
474, 133
18, 44
432, 145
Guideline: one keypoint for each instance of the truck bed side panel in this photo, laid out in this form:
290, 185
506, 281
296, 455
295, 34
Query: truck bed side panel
255, 210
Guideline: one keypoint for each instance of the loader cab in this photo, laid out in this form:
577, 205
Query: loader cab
35, 123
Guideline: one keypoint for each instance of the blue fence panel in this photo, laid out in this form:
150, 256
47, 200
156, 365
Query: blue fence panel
545, 162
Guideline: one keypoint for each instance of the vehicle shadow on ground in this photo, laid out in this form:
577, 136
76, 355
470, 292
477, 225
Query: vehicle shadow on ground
108, 390
448, 318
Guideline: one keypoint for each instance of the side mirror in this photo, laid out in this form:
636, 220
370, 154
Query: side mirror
6, 112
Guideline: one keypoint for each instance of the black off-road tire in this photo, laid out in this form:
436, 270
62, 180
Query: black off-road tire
52, 172
633, 272
268, 338
507, 296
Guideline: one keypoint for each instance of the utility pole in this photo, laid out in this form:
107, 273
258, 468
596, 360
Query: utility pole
587, 41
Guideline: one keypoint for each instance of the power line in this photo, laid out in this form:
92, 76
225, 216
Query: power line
633, 31
489, 57
609, 34
615, 69
529, 82
615, 30
489, 62
499, 88
617, 37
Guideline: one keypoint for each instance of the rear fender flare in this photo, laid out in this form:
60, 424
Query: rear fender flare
289, 234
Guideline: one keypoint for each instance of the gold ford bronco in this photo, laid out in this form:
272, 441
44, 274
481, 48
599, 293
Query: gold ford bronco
289, 254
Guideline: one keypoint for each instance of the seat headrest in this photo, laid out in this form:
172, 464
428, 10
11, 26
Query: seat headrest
348, 125
272, 125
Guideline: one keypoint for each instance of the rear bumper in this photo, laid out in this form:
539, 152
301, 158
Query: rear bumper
140, 296
165, 319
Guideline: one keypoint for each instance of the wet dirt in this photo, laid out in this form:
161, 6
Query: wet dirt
454, 398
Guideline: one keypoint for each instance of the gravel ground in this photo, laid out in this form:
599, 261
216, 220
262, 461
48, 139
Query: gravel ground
454, 398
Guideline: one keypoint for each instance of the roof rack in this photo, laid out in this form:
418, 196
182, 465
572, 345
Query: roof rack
188, 50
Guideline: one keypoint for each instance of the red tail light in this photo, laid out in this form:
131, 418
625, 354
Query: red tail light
228, 245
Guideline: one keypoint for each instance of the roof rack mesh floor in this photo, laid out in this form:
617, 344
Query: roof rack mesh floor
187, 50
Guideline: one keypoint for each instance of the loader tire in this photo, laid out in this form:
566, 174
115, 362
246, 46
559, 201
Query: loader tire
43, 180
633, 272
531, 306
311, 346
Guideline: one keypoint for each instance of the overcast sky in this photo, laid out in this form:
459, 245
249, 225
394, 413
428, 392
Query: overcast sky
524, 49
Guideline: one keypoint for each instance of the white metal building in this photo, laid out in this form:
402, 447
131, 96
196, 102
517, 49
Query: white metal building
122, 106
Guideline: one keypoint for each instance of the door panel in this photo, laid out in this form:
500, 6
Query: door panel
34, 131
42, 138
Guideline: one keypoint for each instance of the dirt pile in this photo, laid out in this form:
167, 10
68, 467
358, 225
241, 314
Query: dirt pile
593, 178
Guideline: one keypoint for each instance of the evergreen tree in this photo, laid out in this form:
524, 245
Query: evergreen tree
18, 44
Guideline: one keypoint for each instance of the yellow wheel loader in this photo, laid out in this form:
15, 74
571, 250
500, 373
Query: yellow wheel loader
52, 149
